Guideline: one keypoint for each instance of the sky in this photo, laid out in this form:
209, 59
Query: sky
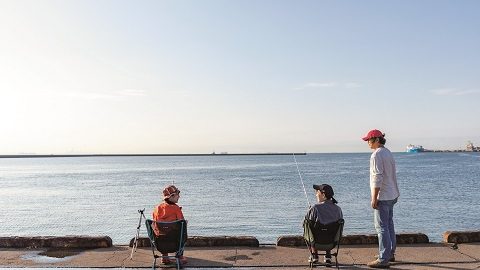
112, 77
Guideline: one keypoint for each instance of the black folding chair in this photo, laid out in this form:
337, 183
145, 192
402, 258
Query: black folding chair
172, 239
323, 237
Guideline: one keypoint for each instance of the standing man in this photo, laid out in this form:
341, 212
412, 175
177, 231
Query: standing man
384, 195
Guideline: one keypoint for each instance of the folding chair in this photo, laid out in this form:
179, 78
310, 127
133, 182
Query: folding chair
172, 238
323, 237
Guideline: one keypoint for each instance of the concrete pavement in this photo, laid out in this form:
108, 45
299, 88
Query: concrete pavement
412, 256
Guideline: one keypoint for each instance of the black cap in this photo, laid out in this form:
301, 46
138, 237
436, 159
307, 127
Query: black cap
327, 190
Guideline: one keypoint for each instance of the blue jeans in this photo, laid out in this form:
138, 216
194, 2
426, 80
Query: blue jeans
383, 219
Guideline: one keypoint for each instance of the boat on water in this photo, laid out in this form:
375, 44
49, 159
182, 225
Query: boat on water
414, 148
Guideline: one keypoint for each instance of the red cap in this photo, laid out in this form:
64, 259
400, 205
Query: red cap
374, 133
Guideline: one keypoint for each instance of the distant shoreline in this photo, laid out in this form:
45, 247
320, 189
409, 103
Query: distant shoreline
151, 155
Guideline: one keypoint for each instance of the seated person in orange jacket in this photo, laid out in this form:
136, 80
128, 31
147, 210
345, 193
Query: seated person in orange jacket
168, 210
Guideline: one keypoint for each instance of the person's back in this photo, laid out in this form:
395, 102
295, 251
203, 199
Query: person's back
167, 211
325, 212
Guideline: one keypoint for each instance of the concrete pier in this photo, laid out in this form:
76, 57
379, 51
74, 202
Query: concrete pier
239, 252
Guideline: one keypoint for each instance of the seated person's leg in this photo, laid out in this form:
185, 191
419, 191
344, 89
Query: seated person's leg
165, 259
314, 255
328, 257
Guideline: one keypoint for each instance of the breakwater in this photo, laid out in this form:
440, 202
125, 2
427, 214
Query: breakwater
89, 242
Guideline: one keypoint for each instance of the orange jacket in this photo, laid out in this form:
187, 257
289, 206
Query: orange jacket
167, 212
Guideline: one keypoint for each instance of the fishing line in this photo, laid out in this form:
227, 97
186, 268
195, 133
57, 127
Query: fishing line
301, 179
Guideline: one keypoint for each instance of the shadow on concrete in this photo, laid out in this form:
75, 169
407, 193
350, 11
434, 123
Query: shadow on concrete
196, 262
60, 252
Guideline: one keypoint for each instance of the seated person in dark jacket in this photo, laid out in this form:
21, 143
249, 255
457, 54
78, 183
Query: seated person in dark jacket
325, 211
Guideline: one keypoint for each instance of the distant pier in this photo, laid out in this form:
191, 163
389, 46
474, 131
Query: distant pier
419, 149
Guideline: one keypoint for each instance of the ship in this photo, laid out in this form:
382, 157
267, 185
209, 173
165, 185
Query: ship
414, 148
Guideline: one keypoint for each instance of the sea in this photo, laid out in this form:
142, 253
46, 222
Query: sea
264, 196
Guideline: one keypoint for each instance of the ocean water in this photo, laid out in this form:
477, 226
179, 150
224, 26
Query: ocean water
260, 196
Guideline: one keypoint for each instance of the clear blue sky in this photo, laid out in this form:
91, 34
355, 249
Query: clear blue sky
237, 76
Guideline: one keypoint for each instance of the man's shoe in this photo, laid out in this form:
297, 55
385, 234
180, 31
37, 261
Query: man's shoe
328, 262
313, 258
392, 259
378, 264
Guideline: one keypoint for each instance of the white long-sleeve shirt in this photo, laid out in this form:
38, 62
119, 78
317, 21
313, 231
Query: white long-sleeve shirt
383, 174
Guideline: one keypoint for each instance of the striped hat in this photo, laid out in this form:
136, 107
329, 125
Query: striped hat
170, 190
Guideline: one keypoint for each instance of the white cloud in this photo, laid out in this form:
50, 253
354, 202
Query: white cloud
454, 92
90, 95
108, 95
322, 85
132, 92
351, 85
105, 95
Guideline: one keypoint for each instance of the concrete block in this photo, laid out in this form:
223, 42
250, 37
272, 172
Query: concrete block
367, 239
86, 242
209, 241
141, 242
222, 241
461, 236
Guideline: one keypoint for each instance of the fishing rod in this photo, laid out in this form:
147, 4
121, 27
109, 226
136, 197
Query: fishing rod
301, 179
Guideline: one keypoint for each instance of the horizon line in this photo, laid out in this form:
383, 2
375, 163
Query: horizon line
151, 155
